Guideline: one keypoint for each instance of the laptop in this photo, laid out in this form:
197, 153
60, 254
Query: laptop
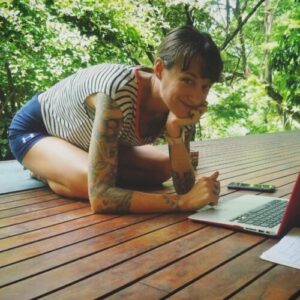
265, 215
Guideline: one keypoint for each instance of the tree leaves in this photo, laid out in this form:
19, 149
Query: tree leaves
43, 41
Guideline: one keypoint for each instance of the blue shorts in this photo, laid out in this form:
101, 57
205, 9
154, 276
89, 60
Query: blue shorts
26, 128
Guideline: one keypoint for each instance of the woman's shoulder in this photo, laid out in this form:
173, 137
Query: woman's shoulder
108, 67
102, 71
107, 78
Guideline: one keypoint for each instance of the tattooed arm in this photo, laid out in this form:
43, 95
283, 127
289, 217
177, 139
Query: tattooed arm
103, 157
182, 171
104, 196
179, 150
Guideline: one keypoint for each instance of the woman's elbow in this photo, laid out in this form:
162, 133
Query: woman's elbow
96, 206
96, 198
111, 200
97, 201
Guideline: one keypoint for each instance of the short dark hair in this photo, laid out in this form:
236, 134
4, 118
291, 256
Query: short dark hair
184, 43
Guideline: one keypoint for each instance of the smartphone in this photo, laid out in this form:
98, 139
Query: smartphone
252, 187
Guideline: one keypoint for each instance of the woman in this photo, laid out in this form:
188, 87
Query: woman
87, 135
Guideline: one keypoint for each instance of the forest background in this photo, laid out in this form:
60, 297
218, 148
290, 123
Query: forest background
43, 41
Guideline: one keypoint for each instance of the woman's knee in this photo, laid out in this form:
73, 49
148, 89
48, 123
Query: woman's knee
79, 184
75, 186
63, 165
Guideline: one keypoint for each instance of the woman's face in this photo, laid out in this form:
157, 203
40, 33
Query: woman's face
183, 91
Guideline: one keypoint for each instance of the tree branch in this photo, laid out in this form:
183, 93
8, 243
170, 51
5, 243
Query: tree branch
232, 36
273, 94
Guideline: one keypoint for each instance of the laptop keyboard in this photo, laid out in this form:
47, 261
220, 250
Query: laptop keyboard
267, 215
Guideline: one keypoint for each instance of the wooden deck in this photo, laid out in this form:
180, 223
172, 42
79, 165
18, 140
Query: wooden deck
55, 248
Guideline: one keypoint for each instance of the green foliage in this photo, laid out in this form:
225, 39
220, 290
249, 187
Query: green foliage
246, 103
36, 50
244, 108
286, 62
43, 41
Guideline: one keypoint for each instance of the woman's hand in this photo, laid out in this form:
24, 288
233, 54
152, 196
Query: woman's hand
174, 124
205, 191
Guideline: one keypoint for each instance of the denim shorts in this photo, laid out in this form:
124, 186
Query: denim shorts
26, 129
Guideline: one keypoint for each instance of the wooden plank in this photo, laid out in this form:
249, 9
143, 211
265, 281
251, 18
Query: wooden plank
197, 264
245, 154
270, 285
182, 250
246, 158
282, 191
253, 167
249, 174
25, 209
223, 281
72, 253
43, 283
244, 147
80, 243
11, 197
268, 172
262, 176
41, 214
201, 262
230, 163
69, 238
141, 265
72, 212
133, 292
83, 220
28, 201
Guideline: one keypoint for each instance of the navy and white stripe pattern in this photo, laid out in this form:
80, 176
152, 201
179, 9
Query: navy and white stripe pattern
63, 105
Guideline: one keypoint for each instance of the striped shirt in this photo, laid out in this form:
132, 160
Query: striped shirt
65, 113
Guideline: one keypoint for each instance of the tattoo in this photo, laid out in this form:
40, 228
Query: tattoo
103, 160
183, 183
171, 202
116, 200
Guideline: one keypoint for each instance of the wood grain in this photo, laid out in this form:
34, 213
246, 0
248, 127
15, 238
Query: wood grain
56, 248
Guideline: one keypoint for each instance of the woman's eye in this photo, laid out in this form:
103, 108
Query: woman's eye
188, 81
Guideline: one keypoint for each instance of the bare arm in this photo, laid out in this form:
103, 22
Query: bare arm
183, 174
182, 171
103, 156
105, 197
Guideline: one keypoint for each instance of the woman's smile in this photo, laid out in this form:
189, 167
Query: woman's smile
189, 107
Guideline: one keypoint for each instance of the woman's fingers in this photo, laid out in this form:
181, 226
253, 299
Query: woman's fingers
216, 188
214, 176
205, 191
213, 187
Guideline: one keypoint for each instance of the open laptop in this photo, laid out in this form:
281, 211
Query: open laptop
255, 213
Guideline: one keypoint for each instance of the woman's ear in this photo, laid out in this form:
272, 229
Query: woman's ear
158, 67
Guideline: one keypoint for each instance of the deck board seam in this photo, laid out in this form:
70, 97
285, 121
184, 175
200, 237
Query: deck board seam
171, 293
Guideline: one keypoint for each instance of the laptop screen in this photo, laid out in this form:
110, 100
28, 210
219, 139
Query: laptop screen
292, 214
